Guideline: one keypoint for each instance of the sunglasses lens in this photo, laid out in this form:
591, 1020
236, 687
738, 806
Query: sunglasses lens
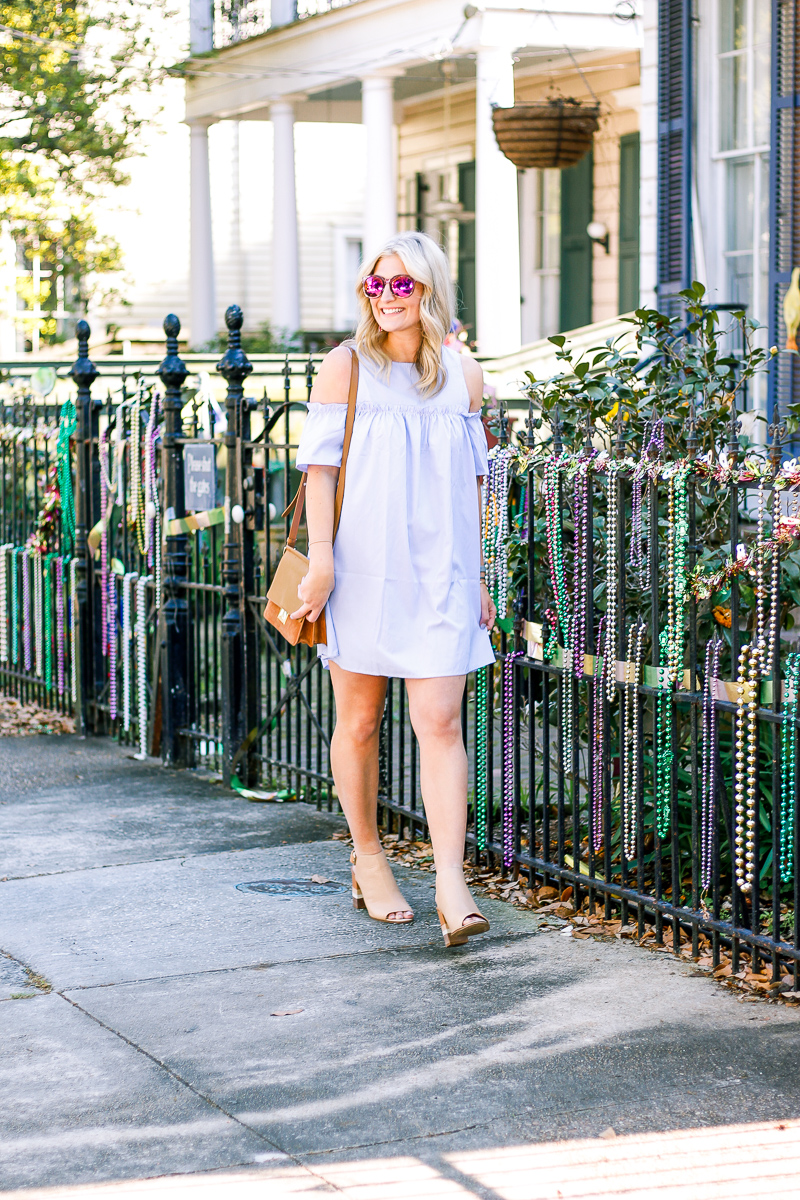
403, 285
374, 285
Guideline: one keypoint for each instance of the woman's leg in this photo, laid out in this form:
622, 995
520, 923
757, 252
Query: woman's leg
434, 706
354, 756
354, 752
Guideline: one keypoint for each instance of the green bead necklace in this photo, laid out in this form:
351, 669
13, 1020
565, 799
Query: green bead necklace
480, 757
789, 767
68, 423
664, 752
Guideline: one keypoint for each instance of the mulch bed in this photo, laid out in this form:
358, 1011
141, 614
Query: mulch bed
25, 720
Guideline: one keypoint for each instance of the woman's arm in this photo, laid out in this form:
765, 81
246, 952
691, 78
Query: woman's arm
330, 387
317, 585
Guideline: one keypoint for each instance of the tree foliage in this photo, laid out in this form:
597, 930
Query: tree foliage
70, 72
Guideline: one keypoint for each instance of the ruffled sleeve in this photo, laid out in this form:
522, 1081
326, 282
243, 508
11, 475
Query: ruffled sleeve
323, 436
477, 437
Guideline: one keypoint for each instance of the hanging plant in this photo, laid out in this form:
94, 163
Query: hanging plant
548, 133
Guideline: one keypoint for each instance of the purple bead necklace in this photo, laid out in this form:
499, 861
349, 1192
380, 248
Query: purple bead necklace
60, 624
581, 566
597, 738
508, 757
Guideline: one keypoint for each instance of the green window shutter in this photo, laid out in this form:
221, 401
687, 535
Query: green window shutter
466, 248
629, 222
576, 248
674, 256
784, 218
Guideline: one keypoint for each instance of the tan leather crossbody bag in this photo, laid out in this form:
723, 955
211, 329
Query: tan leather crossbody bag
282, 597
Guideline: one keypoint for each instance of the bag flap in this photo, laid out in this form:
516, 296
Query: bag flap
290, 572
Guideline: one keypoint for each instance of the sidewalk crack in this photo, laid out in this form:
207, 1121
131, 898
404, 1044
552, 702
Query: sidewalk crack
194, 1090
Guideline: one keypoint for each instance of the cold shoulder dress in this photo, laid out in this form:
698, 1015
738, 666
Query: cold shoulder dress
406, 599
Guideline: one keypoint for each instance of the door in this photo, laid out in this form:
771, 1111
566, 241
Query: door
466, 249
576, 246
629, 222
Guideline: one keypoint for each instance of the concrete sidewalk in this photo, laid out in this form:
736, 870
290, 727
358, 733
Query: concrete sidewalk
159, 1051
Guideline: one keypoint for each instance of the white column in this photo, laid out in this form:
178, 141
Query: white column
497, 276
201, 274
285, 258
380, 197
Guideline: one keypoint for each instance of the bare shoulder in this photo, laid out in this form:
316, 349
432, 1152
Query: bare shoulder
332, 380
473, 376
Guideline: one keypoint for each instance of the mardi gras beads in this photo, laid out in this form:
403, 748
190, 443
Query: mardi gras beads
708, 788
60, 607
747, 687
4, 552
68, 423
612, 582
141, 663
112, 646
27, 660
631, 736
663, 749
480, 755
127, 635
15, 553
789, 767
598, 734
555, 543
508, 757
73, 628
582, 548
495, 526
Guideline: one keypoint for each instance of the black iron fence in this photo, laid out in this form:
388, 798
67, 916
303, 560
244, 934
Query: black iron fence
627, 744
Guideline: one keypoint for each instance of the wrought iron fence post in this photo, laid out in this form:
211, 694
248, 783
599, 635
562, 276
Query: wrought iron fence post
176, 748
84, 373
235, 368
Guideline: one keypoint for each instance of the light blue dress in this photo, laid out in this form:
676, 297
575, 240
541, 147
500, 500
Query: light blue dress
406, 601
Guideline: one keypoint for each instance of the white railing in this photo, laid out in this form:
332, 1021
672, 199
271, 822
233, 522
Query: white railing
237, 20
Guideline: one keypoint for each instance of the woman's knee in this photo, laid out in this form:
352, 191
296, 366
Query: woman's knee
441, 725
358, 727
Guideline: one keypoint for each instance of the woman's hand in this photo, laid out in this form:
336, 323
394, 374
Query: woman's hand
488, 610
315, 587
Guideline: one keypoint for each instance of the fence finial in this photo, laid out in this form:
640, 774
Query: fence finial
83, 370
556, 427
777, 430
691, 439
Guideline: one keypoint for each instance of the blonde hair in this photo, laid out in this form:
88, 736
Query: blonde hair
426, 262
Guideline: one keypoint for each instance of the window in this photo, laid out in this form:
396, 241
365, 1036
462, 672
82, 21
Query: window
743, 104
347, 260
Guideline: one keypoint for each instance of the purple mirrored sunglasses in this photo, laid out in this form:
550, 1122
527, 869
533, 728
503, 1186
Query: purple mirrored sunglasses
401, 285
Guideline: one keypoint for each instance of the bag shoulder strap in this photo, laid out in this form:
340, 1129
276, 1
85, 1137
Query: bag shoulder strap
298, 503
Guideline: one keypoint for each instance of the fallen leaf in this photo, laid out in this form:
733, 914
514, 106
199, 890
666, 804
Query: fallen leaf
320, 879
608, 1133
287, 1012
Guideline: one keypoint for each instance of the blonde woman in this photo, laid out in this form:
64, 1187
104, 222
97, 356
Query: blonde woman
403, 588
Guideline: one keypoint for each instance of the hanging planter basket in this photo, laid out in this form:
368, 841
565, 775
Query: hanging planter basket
549, 133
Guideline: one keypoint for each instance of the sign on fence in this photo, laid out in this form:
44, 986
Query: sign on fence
199, 477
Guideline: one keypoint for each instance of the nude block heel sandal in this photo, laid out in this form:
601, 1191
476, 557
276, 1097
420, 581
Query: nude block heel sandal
375, 889
454, 931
